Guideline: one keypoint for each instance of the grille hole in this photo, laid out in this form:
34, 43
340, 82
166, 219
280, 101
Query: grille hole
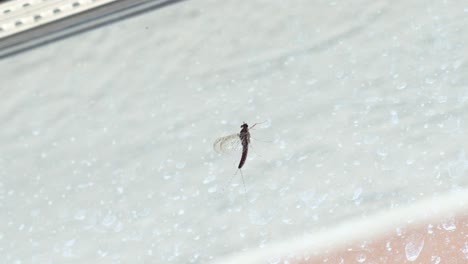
57, 10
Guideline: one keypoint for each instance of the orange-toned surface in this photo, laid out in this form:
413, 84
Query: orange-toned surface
436, 241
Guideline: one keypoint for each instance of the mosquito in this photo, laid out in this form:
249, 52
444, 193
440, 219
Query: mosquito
231, 142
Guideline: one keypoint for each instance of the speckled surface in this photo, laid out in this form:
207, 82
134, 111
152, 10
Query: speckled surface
107, 136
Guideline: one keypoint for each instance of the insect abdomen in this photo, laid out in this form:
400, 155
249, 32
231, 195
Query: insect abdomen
245, 149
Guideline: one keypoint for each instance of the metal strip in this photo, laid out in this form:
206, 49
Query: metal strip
77, 23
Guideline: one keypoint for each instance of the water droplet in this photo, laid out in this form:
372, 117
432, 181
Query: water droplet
312, 200
413, 247
108, 220
361, 258
394, 117
464, 250
118, 227
429, 229
70, 243
449, 225
67, 251
180, 165
209, 179
282, 144
80, 215
212, 189
402, 86
261, 218
388, 246
429, 80
35, 212
435, 259
357, 196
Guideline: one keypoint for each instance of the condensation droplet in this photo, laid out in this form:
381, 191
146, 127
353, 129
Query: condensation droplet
449, 225
402, 86
394, 117
209, 179
109, 220
212, 189
413, 248
429, 81
435, 259
261, 218
180, 165
388, 246
464, 250
357, 194
80, 215
361, 258
429, 229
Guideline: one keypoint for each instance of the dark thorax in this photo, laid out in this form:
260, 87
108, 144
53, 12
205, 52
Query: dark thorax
244, 135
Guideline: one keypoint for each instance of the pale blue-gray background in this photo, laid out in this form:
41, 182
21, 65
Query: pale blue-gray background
106, 137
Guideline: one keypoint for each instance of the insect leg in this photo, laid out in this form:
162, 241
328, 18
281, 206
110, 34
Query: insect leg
245, 190
230, 181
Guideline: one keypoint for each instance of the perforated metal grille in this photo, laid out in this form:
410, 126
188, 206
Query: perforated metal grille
20, 15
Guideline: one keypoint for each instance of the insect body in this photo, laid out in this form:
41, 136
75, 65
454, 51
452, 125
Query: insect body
233, 142
244, 137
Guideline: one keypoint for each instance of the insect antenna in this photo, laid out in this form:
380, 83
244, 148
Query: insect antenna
257, 124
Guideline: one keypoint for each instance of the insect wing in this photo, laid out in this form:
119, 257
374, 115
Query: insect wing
227, 143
